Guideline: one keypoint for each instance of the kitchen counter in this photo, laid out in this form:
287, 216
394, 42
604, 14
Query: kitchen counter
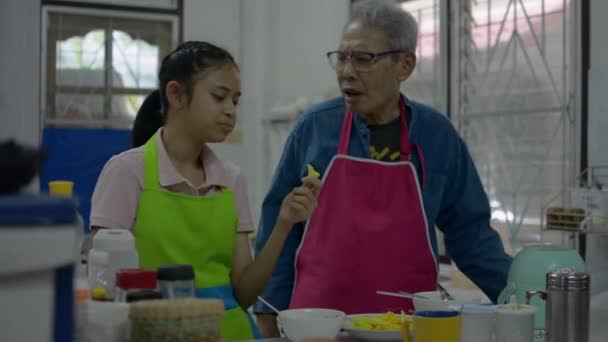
287, 340
340, 339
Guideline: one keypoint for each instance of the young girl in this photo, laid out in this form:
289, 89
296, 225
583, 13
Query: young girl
184, 204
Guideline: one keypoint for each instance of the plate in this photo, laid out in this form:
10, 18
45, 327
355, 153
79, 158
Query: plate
371, 335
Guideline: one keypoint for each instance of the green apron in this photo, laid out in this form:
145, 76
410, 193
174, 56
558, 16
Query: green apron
174, 228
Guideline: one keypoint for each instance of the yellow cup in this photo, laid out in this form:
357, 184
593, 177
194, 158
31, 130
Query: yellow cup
61, 188
433, 326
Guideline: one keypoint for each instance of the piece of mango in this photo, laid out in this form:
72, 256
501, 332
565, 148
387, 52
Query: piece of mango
312, 172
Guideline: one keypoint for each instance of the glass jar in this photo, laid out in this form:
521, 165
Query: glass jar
176, 281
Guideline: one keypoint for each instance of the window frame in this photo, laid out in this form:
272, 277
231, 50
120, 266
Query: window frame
178, 10
172, 17
570, 109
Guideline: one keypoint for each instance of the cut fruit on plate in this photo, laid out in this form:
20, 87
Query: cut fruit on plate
375, 327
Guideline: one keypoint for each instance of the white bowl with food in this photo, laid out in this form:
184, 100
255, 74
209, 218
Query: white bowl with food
435, 303
301, 324
384, 327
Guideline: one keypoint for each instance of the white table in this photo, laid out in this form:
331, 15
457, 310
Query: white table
287, 340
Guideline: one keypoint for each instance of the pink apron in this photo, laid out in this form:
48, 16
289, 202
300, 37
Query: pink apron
368, 233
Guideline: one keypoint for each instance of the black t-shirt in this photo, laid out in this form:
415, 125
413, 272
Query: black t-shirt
385, 139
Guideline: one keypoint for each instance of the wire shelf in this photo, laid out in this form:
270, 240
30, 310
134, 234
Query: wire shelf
580, 210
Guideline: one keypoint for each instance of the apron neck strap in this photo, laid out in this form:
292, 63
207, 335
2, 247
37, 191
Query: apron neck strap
406, 146
151, 163
347, 126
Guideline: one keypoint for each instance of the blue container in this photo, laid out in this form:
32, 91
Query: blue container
37, 257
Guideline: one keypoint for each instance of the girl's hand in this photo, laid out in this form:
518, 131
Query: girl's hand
300, 203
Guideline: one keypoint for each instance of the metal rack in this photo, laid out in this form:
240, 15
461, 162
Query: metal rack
581, 211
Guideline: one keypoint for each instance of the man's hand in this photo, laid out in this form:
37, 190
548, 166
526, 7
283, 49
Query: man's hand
267, 323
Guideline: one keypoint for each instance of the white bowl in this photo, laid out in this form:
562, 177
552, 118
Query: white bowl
434, 302
299, 324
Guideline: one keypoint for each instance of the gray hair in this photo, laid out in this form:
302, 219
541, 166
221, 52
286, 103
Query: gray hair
399, 25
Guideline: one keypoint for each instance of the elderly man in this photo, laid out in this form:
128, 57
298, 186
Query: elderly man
393, 169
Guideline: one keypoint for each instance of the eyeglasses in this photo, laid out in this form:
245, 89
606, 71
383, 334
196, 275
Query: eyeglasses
360, 61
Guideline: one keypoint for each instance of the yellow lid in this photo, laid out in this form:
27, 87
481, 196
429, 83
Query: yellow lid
62, 188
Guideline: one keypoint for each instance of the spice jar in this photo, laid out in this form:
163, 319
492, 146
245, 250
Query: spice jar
129, 280
176, 281
140, 295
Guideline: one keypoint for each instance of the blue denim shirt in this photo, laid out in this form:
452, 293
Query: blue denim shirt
454, 198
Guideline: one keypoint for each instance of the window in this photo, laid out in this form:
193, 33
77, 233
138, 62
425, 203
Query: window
428, 83
143, 4
516, 102
99, 65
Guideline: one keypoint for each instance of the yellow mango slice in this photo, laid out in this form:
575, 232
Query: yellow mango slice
312, 172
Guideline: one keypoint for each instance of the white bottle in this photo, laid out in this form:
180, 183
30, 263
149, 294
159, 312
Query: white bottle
81, 296
113, 250
107, 322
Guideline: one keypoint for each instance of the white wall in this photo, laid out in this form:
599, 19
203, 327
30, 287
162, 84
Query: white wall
20, 70
598, 76
597, 253
598, 126
280, 46
20, 73
305, 31
599, 48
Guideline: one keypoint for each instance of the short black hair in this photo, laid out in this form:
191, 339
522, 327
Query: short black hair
184, 65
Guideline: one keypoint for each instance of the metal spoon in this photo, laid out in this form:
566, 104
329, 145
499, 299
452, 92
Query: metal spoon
401, 295
445, 295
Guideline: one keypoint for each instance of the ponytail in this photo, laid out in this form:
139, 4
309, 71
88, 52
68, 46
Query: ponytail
148, 120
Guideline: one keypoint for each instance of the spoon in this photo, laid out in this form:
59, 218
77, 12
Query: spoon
445, 295
269, 305
401, 294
